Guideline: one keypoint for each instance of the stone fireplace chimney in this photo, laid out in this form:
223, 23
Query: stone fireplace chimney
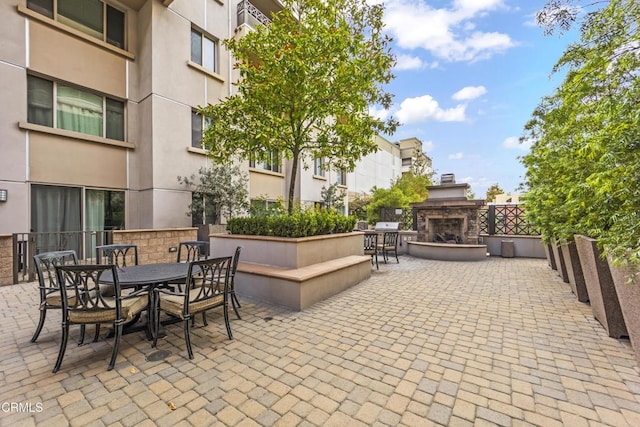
447, 216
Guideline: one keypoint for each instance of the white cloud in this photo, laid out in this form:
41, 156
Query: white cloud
428, 146
378, 113
456, 156
469, 93
409, 62
448, 33
424, 108
514, 143
479, 185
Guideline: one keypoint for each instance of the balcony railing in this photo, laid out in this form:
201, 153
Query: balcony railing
251, 15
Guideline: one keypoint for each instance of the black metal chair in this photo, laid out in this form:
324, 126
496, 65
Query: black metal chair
389, 245
232, 285
48, 282
117, 254
193, 251
83, 303
371, 246
206, 288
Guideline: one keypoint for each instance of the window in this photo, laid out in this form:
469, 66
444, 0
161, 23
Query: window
74, 109
104, 210
40, 101
265, 207
272, 162
89, 16
204, 210
57, 211
407, 161
341, 177
199, 124
204, 50
318, 166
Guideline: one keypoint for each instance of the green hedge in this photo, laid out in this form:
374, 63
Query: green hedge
298, 224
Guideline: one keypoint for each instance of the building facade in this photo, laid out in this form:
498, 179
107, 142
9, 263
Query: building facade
97, 113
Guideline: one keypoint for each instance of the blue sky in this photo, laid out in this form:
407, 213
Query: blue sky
469, 74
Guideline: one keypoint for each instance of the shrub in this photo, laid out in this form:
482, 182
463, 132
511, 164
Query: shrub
297, 224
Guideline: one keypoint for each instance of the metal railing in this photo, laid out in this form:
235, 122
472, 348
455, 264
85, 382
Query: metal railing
494, 219
26, 245
251, 15
506, 220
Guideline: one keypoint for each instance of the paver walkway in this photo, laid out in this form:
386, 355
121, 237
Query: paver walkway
497, 342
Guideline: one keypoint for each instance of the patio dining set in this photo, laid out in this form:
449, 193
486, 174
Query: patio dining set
384, 243
116, 290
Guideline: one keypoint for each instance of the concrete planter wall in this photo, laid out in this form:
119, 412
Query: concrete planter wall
295, 273
525, 246
560, 265
629, 297
602, 292
288, 252
548, 252
574, 270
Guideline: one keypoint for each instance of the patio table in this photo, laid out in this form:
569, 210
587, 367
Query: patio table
147, 276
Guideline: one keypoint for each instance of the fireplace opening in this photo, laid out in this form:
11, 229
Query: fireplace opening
446, 230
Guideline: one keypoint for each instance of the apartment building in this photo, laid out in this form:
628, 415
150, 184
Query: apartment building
387, 164
97, 112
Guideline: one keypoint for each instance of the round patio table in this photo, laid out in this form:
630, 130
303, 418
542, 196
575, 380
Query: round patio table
148, 276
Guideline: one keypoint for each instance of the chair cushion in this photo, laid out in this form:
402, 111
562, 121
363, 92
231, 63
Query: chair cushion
174, 304
54, 299
130, 307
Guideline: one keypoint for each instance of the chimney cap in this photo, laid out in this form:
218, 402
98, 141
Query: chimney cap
447, 178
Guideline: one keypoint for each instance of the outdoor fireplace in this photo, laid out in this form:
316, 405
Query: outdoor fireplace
447, 216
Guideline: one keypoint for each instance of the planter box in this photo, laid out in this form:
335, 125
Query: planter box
574, 270
602, 292
288, 252
629, 297
295, 273
560, 265
551, 260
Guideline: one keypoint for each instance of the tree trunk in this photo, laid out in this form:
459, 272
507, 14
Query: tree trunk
292, 182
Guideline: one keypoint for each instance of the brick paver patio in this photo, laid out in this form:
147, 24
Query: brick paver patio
497, 342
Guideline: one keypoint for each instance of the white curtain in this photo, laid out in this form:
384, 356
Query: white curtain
79, 111
94, 217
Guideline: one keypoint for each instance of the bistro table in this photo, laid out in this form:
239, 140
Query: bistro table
147, 276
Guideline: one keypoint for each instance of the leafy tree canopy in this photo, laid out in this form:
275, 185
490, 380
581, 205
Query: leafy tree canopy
333, 198
407, 189
218, 190
583, 168
307, 81
493, 191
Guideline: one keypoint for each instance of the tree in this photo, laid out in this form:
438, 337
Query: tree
493, 191
407, 189
421, 164
333, 198
307, 81
218, 190
358, 206
583, 168
562, 15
